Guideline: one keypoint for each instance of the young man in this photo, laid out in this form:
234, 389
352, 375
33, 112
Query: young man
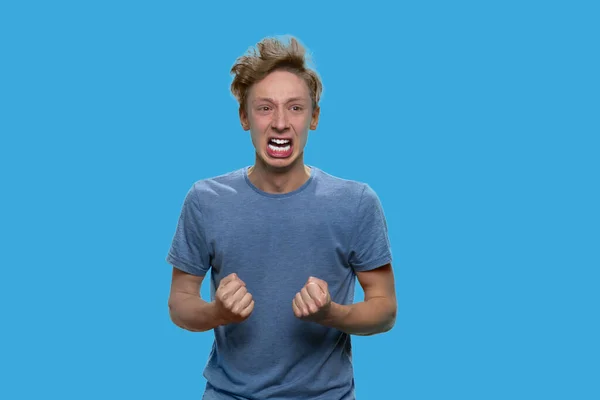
284, 242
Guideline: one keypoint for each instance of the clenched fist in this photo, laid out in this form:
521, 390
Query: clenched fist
313, 301
233, 302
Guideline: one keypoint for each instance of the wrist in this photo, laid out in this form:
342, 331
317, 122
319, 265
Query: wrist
337, 313
216, 314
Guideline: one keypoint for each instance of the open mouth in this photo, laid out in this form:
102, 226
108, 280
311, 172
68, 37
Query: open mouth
279, 148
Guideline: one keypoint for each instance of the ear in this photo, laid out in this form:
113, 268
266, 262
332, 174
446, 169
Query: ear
244, 119
315, 118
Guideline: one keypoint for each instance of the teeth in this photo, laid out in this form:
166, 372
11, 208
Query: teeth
279, 149
280, 141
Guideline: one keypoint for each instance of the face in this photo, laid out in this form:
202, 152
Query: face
279, 114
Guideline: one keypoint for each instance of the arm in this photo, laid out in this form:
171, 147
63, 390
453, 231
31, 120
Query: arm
189, 311
186, 308
376, 314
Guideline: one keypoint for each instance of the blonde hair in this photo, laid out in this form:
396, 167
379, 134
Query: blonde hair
272, 54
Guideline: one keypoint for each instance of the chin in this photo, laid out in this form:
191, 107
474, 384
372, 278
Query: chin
279, 163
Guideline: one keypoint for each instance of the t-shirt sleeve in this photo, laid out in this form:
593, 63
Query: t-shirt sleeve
370, 244
189, 251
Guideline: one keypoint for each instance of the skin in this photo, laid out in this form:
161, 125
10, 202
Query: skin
232, 304
376, 314
280, 105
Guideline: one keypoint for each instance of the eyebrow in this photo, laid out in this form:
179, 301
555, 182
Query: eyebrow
270, 100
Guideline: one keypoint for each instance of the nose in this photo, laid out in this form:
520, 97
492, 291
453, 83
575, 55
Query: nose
280, 121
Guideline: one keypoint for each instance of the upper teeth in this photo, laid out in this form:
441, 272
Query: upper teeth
280, 141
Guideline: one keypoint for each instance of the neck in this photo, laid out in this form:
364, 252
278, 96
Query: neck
278, 180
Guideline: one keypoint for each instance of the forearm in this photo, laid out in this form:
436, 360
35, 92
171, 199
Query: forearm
194, 314
370, 317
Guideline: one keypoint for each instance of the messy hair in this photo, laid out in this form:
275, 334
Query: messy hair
269, 55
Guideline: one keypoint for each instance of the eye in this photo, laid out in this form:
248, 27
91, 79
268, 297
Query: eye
297, 108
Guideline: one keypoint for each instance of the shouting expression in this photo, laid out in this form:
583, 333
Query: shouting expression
279, 113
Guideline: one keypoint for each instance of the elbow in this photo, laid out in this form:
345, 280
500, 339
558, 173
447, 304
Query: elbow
174, 316
173, 313
172, 306
390, 321
179, 321
386, 323
390, 324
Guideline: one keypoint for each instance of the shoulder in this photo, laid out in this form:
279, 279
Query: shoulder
207, 191
349, 190
335, 185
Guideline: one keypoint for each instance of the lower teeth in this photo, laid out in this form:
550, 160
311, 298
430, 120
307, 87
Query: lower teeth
279, 149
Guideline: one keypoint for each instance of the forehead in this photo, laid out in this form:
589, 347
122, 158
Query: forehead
280, 85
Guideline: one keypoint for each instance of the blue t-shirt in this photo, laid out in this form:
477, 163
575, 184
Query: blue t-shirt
328, 228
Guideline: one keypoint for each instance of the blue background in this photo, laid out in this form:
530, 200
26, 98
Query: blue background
475, 122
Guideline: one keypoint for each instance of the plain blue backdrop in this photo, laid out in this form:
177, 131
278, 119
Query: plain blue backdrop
476, 123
